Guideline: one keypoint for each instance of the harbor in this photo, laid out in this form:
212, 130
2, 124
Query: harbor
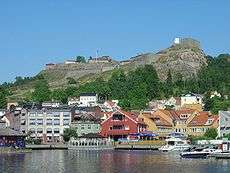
105, 161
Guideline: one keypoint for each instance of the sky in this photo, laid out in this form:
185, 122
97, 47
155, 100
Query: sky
33, 33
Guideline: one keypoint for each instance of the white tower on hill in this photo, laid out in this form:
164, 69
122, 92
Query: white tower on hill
177, 40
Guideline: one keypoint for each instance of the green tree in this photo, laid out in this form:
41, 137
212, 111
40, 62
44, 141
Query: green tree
3, 100
41, 91
211, 133
59, 95
71, 81
81, 59
118, 85
68, 133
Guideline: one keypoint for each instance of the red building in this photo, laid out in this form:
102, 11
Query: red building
120, 124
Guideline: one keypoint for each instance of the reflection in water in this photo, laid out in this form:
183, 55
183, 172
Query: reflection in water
59, 161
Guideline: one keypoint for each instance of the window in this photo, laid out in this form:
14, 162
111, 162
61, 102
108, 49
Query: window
49, 130
66, 114
49, 122
222, 128
66, 122
32, 130
118, 117
56, 130
56, 122
118, 127
227, 128
39, 130
39, 121
89, 126
32, 121
56, 114
82, 127
32, 114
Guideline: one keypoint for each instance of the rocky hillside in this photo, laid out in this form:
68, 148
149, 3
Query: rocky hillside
185, 58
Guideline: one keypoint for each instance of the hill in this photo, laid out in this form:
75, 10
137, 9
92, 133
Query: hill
185, 58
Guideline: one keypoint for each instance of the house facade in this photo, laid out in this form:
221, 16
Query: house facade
88, 99
202, 122
192, 101
10, 137
186, 121
47, 125
224, 123
86, 123
120, 124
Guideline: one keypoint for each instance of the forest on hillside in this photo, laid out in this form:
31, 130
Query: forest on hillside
136, 88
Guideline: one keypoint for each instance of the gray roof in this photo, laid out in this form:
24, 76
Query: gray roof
88, 94
225, 113
10, 132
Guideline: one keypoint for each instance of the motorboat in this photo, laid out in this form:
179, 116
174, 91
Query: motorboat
200, 153
175, 144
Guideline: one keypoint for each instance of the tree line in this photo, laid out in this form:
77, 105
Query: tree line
136, 88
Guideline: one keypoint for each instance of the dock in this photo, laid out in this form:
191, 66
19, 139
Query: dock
221, 155
137, 147
47, 147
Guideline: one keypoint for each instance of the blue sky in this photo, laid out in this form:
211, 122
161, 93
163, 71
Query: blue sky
33, 33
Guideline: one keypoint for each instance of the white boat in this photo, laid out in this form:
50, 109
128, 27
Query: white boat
175, 144
200, 153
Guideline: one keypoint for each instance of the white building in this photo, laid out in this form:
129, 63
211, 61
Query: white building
215, 94
224, 123
191, 99
48, 125
2, 112
176, 40
70, 62
88, 99
51, 104
73, 101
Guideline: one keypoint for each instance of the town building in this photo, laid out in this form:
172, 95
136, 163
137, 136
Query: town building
125, 62
70, 62
186, 121
2, 112
191, 98
214, 94
202, 122
50, 66
192, 101
224, 123
88, 99
73, 101
110, 106
86, 123
51, 104
47, 124
10, 138
120, 124
102, 59
156, 123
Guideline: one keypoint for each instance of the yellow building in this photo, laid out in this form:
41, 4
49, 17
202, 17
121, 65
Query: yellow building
186, 121
201, 123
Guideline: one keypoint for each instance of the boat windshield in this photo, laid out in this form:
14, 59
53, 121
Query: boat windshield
171, 143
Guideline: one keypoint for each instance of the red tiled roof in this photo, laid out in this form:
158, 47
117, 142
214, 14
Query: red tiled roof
158, 120
202, 118
175, 114
133, 116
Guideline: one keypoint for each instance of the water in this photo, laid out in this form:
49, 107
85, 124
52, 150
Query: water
60, 161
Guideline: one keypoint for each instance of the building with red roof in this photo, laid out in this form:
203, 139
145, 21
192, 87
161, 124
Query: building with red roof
120, 124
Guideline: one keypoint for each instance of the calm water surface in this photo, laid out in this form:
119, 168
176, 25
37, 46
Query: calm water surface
60, 161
